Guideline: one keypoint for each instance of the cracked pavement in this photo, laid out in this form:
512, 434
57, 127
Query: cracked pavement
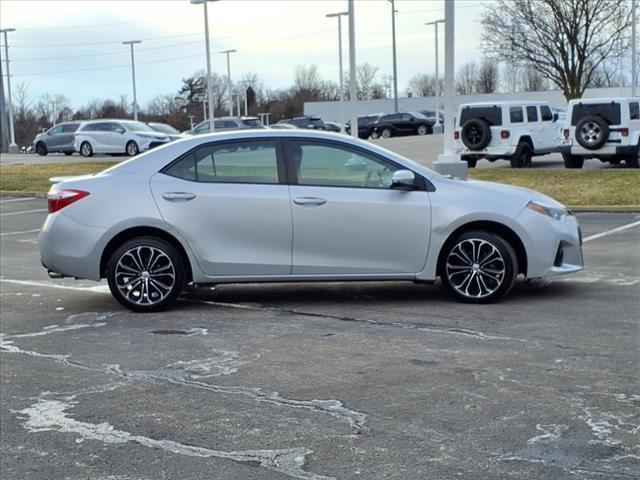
318, 381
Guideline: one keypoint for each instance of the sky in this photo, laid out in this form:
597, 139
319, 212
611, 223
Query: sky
74, 47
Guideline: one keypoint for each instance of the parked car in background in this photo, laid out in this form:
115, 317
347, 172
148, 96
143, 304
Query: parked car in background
514, 131
283, 126
172, 133
116, 137
314, 123
604, 128
226, 123
332, 127
397, 124
297, 205
365, 125
431, 116
58, 138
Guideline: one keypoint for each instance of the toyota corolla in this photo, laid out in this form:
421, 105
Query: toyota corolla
286, 206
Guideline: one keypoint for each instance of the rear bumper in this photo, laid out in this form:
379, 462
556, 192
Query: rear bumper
606, 151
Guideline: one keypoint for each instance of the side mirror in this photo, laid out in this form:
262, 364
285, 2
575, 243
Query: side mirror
403, 178
555, 117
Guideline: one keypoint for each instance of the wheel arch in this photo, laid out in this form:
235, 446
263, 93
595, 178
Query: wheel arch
527, 139
144, 231
497, 228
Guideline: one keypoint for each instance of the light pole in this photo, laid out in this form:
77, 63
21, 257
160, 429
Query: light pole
634, 48
212, 127
230, 103
395, 65
133, 76
13, 148
339, 16
353, 90
437, 128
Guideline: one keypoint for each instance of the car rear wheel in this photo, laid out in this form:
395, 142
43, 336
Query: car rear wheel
132, 148
41, 149
375, 135
422, 130
386, 133
522, 156
146, 274
479, 267
634, 160
86, 150
572, 161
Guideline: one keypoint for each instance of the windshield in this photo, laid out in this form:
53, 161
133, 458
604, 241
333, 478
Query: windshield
138, 127
252, 122
164, 128
418, 115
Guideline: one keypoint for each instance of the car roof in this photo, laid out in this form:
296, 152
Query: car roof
506, 103
604, 100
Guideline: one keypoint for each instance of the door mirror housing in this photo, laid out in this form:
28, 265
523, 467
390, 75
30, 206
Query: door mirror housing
121, 131
403, 178
555, 117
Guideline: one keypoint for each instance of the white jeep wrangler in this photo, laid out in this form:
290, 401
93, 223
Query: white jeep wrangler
604, 128
514, 131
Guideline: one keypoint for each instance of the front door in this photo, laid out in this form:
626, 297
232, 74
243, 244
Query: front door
347, 216
230, 202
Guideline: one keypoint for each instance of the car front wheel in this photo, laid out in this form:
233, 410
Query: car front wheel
132, 148
41, 149
479, 267
572, 161
86, 150
386, 133
146, 274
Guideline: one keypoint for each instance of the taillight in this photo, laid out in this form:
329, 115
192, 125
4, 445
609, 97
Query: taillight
456, 135
504, 134
58, 199
624, 132
565, 133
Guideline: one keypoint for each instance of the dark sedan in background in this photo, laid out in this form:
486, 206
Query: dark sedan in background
405, 123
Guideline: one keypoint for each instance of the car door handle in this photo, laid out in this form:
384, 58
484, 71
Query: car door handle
317, 201
178, 196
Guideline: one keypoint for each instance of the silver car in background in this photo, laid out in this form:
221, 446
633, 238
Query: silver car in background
117, 137
297, 205
226, 124
58, 139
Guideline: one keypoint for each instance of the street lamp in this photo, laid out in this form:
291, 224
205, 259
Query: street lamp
634, 47
353, 91
339, 15
212, 127
395, 65
230, 103
13, 148
437, 127
133, 76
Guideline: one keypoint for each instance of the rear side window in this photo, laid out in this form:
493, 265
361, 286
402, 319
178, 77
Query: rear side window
102, 127
516, 115
239, 162
532, 113
609, 111
492, 115
89, 128
545, 113
634, 111
72, 127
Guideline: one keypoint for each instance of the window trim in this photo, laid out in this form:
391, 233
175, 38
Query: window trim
280, 166
422, 184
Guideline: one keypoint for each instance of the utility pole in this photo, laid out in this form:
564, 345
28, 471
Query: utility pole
353, 89
437, 128
191, 117
245, 89
339, 15
395, 65
230, 102
13, 148
4, 117
212, 127
133, 76
634, 48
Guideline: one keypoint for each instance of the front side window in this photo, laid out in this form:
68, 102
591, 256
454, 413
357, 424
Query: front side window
333, 166
634, 111
545, 113
532, 113
204, 127
55, 130
516, 115
102, 127
239, 162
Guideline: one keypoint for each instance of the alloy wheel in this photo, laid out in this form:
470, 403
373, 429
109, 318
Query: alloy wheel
475, 268
590, 133
145, 275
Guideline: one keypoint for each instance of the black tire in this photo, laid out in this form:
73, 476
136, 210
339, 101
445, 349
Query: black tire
522, 156
423, 130
68, 153
489, 281
613, 161
476, 134
592, 132
634, 160
86, 150
374, 134
132, 148
386, 133
122, 262
41, 149
572, 161
471, 161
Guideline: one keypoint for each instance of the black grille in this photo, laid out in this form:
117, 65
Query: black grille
559, 256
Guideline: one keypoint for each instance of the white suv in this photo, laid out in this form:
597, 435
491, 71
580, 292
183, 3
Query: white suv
604, 128
514, 131
117, 136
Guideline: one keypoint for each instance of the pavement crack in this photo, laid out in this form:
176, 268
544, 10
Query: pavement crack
52, 415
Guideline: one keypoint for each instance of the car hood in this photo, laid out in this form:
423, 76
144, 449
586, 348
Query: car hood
38, 137
525, 194
158, 135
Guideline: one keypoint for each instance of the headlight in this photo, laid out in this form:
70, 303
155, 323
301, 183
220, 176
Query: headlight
151, 137
553, 212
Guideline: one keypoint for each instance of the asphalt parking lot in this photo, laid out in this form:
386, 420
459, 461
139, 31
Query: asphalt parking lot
319, 381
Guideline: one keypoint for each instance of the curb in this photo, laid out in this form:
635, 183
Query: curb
10, 193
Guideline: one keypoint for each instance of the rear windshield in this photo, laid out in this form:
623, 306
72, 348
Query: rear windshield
252, 122
493, 114
609, 111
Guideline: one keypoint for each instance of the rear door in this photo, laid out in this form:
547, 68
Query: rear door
550, 131
230, 201
534, 126
67, 137
100, 136
347, 217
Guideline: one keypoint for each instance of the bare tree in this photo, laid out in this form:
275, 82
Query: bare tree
422, 85
511, 75
366, 79
54, 108
565, 40
25, 125
532, 80
307, 79
467, 79
487, 80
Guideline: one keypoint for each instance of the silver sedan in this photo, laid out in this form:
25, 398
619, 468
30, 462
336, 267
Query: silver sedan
284, 206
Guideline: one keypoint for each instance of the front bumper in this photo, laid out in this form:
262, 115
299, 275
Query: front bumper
148, 144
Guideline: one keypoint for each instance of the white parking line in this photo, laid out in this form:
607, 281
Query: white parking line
20, 232
609, 232
22, 199
23, 211
95, 289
